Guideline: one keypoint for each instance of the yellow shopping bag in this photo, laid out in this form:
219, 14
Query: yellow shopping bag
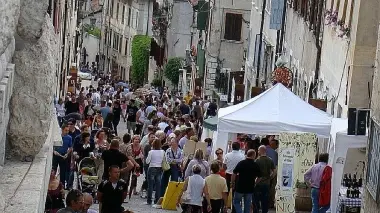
171, 195
229, 200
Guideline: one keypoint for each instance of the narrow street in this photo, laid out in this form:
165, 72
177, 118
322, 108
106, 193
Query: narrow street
135, 204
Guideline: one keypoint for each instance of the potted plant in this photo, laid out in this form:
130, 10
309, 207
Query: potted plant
303, 197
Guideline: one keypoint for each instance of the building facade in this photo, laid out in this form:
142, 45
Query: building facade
123, 19
225, 45
371, 201
348, 53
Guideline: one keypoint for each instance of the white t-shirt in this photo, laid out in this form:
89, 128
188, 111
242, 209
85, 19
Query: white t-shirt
232, 159
163, 125
155, 158
95, 98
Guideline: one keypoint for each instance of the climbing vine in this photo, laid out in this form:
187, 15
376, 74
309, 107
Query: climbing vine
140, 58
92, 30
171, 70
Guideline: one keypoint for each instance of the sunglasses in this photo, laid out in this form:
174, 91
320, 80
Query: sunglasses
219, 153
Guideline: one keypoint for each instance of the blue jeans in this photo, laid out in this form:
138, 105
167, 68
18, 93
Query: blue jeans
261, 197
154, 179
315, 201
173, 173
247, 202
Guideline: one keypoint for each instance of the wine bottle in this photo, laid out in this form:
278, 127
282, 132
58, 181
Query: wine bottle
349, 178
355, 180
360, 182
349, 192
345, 180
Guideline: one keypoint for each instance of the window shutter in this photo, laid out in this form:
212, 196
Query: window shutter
277, 9
257, 43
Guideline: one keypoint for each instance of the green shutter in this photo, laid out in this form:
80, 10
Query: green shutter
200, 60
202, 14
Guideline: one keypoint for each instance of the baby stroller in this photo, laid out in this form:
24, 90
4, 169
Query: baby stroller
88, 180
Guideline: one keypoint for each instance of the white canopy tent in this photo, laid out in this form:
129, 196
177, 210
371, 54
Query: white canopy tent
340, 142
275, 111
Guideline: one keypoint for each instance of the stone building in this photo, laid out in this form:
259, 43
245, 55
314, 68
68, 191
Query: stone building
225, 45
32, 62
122, 20
348, 52
371, 199
294, 37
180, 30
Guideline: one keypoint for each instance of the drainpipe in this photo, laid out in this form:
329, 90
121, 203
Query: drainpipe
261, 43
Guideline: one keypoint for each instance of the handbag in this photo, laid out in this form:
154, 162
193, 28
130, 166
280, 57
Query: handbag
165, 166
186, 196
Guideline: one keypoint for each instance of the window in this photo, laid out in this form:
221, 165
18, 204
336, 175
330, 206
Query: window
122, 15
110, 38
111, 8
115, 44
130, 46
232, 27
105, 36
129, 16
93, 21
344, 11
137, 19
337, 6
332, 5
351, 13
120, 44
126, 47
117, 11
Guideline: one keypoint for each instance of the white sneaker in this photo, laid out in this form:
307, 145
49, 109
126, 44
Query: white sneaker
146, 203
156, 206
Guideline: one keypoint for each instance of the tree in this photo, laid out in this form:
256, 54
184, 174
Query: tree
171, 70
140, 58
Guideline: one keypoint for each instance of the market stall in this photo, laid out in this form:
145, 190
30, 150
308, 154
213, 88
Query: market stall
339, 145
209, 127
275, 111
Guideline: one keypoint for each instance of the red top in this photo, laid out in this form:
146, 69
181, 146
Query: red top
325, 187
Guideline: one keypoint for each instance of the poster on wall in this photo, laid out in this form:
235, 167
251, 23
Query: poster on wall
295, 155
287, 170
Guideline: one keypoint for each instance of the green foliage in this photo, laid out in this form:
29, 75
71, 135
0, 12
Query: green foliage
92, 30
156, 82
140, 58
171, 70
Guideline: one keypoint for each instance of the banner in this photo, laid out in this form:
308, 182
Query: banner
296, 154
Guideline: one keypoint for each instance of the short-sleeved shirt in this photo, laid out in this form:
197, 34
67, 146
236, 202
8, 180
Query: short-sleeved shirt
248, 170
112, 198
132, 111
112, 157
273, 155
232, 159
216, 186
266, 167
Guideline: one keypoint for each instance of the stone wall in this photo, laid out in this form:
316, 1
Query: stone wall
35, 59
369, 204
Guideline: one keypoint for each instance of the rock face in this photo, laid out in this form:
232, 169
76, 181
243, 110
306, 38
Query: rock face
9, 13
31, 104
32, 17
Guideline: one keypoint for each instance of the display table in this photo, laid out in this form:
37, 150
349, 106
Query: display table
346, 204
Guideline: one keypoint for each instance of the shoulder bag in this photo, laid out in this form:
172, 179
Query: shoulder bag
165, 166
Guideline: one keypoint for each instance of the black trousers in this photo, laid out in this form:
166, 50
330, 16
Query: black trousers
138, 128
228, 180
216, 206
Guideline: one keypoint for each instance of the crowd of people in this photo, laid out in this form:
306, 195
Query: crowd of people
159, 127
